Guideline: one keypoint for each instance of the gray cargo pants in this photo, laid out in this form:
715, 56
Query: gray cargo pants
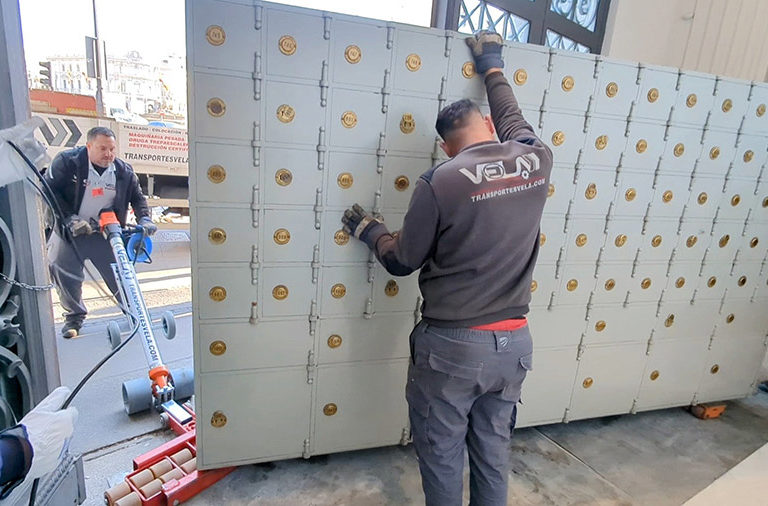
463, 388
67, 270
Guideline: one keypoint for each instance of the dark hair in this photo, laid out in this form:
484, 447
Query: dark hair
455, 116
99, 130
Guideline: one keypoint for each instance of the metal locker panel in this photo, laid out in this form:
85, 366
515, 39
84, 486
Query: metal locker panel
669, 197
379, 337
682, 149
543, 285
607, 380
730, 369
527, 72
296, 44
395, 293
223, 36
737, 200
286, 291
360, 405
463, 81
577, 281
359, 53
224, 234
572, 80
564, 134
532, 116
724, 243
701, 320
648, 281
624, 237
755, 119
613, 282
225, 107
291, 176
400, 176
551, 379
238, 346
551, 238
754, 243
617, 87
293, 113
595, 190
644, 145
634, 193
682, 280
613, 324
658, 241
338, 246
672, 373
730, 104
695, 96
411, 124
744, 279
713, 280
717, 152
225, 292
258, 408
705, 195
289, 236
657, 94
353, 179
344, 291
585, 238
751, 152
740, 319
224, 173
356, 119
419, 62
760, 211
558, 327
762, 287
683, 320
561, 189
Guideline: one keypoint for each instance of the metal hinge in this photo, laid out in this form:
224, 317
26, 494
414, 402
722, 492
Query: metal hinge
381, 152
635, 262
318, 208
650, 343
313, 317
256, 75
646, 218
326, 27
441, 96
417, 310
582, 347
712, 337
405, 436
315, 263
254, 264
256, 144
390, 35
258, 16
368, 314
324, 84
305, 453
619, 168
567, 415
559, 261
311, 367
255, 206
436, 151
385, 92
599, 264
671, 260
633, 409
254, 318
321, 149
448, 39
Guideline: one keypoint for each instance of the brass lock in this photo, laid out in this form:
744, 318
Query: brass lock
391, 289
216, 107
727, 105
345, 180
338, 290
765, 202
468, 70
217, 293
610, 284
281, 236
402, 183
558, 138
330, 409
600, 326
215, 35
656, 241
654, 375
641, 146
567, 83
588, 382
711, 282
572, 285
341, 237
679, 149
621, 240
669, 321
748, 155
645, 283
735, 200
754, 242
353, 54
612, 89
287, 45
407, 123
630, 195
601, 142
542, 239
280, 292
714, 153
702, 198
729, 319
217, 236
349, 119
285, 113
742, 281
724, 241
691, 241
581, 240
653, 95
680, 282
216, 174
520, 77
334, 341
413, 62
667, 196
283, 177
591, 192
760, 110
691, 100
715, 368
534, 286
218, 419
218, 348
551, 190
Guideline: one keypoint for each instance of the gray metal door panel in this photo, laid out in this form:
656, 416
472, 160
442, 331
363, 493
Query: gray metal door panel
293, 113
669, 196
253, 406
353, 179
291, 176
755, 119
561, 189
419, 62
672, 373
612, 324
658, 92
564, 134
527, 72
224, 107
682, 149
705, 195
718, 150
552, 237
745, 278
595, 190
225, 292
645, 144
634, 193
616, 89
344, 291
399, 179
286, 291
463, 81
359, 54
551, 379
658, 241
725, 238
729, 369
741, 319
737, 199
369, 405
713, 280
544, 284
289, 236
648, 282
295, 44
730, 104
224, 173
224, 35
225, 234
585, 238
683, 320
754, 243
395, 293
613, 282
695, 97
337, 246
624, 237
605, 141
558, 327
682, 280
576, 283
572, 80
379, 337
238, 346
411, 124
531, 114
750, 156
356, 119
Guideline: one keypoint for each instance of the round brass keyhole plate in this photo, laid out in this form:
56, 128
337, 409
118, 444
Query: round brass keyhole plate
215, 35
711, 282
218, 348
283, 177
349, 119
551, 190
468, 70
669, 321
727, 105
341, 237
641, 146
216, 107
702, 199
520, 77
558, 138
218, 419
572, 285
748, 155
353, 54
413, 62
217, 293
654, 375
600, 326
610, 284
730, 318
760, 110
591, 191
588, 382
287, 45
281, 236
691, 241
334, 341
601, 142
714, 153
715, 369
754, 242
667, 196
724, 241
338, 290
653, 95
391, 289
621, 240
691, 100
742, 281
645, 283
407, 123
567, 83
612, 89
285, 113
656, 241
630, 195
680, 282
542, 239
765, 202
581, 240
679, 149
534, 286
280, 292
345, 180
216, 174
402, 183
735, 200
330, 409
217, 235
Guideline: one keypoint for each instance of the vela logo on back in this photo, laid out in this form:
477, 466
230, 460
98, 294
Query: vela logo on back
496, 171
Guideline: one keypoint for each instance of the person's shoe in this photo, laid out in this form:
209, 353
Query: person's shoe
70, 330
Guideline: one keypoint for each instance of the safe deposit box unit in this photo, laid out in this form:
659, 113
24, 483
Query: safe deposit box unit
651, 287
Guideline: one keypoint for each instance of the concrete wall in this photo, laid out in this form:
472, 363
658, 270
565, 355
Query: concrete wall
725, 37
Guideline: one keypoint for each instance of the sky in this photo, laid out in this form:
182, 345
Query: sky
156, 27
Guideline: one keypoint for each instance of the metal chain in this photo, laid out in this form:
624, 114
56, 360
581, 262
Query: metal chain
34, 288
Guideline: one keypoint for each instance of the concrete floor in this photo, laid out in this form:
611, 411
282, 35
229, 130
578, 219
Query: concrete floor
655, 458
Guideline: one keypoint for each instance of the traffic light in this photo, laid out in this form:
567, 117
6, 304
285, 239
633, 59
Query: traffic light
45, 74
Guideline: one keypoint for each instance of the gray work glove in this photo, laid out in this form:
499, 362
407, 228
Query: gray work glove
77, 226
146, 223
359, 223
486, 50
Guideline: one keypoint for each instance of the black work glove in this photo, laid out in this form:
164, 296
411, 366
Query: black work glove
486, 50
146, 223
359, 223
78, 226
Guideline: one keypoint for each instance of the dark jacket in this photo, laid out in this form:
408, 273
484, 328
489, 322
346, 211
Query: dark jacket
67, 177
472, 226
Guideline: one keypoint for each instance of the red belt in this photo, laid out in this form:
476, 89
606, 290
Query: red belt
511, 324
